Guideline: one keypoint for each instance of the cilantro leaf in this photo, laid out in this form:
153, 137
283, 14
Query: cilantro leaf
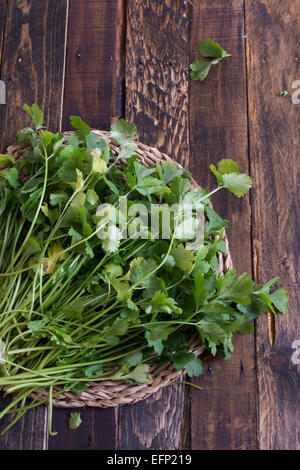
140, 374
230, 178
112, 270
169, 171
183, 258
58, 198
133, 359
208, 49
95, 370
6, 160
215, 221
200, 293
12, 177
79, 387
280, 298
217, 174
157, 344
199, 70
228, 166
128, 150
2, 352
142, 172
26, 135
110, 237
194, 367
142, 270
235, 288
161, 303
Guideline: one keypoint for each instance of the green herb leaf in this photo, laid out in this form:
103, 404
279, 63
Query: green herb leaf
74, 421
200, 70
280, 299
123, 132
36, 114
211, 49
237, 184
228, 166
82, 129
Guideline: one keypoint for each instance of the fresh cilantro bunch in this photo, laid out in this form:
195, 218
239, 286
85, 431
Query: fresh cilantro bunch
81, 303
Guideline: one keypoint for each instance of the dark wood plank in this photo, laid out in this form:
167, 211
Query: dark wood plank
223, 415
156, 74
2, 19
161, 422
157, 101
94, 68
32, 63
274, 26
93, 61
32, 67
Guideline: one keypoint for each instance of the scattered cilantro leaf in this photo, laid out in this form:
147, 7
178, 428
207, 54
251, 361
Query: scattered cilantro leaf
123, 132
75, 421
36, 114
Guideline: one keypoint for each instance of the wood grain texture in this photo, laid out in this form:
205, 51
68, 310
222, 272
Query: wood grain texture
157, 74
223, 415
157, 101
32, 67
92, 58
32, 63
95, 43
274, 144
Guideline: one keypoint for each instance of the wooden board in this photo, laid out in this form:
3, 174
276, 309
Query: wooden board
157, 101
273, 30
93, 62
223, 415
32, 67
157, 74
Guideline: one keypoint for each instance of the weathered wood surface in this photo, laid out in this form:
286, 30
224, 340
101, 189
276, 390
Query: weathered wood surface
92, 65
274, 27
92, 59
32, 67
32, 63
223, 415
157, 60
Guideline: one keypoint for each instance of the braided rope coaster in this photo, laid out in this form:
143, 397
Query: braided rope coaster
114, 393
